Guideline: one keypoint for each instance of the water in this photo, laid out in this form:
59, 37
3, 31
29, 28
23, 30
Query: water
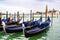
51, 33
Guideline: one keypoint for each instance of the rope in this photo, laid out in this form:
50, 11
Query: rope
4, 27
23, 28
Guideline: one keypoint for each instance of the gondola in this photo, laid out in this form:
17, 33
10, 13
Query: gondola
12, 24
9, 25
19, 28
38, 28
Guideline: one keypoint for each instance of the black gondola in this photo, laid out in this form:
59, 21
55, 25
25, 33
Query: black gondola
19, 28
38, 28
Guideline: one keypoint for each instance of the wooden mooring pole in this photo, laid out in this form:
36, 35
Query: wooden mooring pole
6, 14
33, 16
23, 17
52, 19
17, 15
14, 16
57, 15
0, 18
23, 26
30, 14
8, 20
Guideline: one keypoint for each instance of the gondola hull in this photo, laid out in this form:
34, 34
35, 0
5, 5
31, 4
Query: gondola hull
13, 31
38, 28
34, 33
17, 28
7, 26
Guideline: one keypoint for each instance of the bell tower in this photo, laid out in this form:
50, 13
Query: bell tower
46, 10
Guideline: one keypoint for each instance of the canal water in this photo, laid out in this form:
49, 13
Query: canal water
51, 33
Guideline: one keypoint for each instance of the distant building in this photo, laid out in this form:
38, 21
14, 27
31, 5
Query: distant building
52, 11
47, 11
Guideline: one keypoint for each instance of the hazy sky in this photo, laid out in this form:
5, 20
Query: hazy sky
27, 5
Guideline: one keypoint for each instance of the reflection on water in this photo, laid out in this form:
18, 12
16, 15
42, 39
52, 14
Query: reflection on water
40, 35
14, 35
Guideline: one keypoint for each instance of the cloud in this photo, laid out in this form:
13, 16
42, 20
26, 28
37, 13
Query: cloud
12, 9
27, 5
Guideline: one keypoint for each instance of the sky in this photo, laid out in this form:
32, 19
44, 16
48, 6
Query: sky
24, 6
